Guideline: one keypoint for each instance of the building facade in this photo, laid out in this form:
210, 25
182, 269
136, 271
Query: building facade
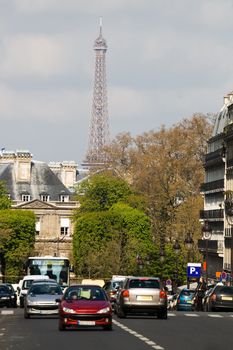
32, 185
217, 191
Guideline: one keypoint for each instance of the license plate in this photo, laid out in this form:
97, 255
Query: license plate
144, 297
189, 301
226, 298
86, 323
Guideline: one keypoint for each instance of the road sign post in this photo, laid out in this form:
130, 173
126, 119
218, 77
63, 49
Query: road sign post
193, 271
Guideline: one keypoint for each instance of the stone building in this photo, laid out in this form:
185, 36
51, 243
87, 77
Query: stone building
32, 185
218, 191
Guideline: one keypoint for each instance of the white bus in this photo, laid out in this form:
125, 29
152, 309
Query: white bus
57, 268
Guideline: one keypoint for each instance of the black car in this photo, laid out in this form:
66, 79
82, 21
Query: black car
8, 295
220, 298
111, 288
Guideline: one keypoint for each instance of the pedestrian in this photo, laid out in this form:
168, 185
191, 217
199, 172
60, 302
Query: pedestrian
199, 294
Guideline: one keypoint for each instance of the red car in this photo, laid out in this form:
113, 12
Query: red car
85, 305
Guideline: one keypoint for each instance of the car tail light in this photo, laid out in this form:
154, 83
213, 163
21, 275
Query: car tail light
213, 297
113, 293
162, 294
125, 293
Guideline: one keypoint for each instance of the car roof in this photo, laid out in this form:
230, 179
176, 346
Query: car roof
44, 281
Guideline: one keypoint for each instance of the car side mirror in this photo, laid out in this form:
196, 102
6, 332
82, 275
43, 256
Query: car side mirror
58, 300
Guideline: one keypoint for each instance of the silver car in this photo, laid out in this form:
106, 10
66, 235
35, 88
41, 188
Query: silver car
41, 299
142, 295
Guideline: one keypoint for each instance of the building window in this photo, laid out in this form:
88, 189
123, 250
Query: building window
44, 197
64, 198
65, 226
37, 226
25, 197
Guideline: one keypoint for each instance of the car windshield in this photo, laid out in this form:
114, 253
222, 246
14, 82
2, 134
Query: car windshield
187, 293
117, 284
225, 290
45, 289
85, 293
144, 283
4, 289
27, 284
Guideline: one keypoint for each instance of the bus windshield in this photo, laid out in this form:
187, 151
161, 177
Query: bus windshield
54, 267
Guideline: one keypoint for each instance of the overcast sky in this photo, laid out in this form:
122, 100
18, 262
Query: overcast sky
166, 60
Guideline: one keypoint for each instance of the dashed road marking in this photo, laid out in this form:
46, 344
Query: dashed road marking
192, 315
171, 314
214, 315
147, 341
7, 312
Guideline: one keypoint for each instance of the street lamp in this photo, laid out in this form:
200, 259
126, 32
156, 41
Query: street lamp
176, 247
139, 262
207, 232
189, 245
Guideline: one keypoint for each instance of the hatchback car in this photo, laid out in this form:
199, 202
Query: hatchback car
142, 295
85, 305
41, 299
185, 301
220, 298
8, 295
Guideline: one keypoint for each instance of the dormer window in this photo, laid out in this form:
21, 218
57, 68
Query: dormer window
64, 198
44, 197
25, 197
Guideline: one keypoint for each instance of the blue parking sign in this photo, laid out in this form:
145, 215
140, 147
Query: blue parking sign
194, 270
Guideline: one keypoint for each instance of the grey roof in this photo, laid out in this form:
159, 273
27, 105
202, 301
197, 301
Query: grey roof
223, 118
43, 181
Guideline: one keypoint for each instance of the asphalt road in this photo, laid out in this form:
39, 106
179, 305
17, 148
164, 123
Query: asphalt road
181, 331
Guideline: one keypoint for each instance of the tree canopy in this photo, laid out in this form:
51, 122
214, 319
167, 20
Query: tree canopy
109, 232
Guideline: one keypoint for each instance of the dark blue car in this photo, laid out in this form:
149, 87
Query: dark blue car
185, 300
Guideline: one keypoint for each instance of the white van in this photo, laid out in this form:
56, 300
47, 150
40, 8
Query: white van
25, 284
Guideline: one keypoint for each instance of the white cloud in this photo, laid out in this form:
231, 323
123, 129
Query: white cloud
29, 55
52, 106
84, 6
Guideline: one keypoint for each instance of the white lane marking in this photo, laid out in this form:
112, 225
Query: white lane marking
170, 314
219, 316
191, 315
7, 312
147, 341
1, 334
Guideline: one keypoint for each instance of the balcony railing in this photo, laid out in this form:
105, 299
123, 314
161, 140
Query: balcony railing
213, 158
213, 185
212, 245
212, 214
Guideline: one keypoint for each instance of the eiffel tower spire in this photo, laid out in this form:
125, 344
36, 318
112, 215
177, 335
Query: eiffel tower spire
99, 127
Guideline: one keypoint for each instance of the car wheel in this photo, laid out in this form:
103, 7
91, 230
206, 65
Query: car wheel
120, 313
162, 315
61, 326
108, 327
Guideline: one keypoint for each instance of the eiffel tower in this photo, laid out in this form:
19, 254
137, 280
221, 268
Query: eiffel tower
99, 126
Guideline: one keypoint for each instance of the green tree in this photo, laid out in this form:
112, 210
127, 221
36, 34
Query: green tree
99, 192
108, 242
110, 227
5, 202
17, 240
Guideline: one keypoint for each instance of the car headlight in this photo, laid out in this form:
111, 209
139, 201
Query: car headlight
103, 311
69, 311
